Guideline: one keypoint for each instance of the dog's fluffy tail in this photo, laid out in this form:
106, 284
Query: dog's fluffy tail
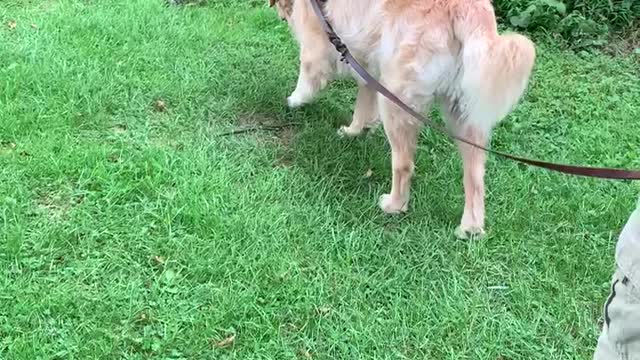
495, 68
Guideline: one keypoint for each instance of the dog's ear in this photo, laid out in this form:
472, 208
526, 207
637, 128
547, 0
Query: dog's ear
272, 2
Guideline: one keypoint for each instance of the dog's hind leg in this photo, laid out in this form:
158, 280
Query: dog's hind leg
402, 132
473, 162
496, 74
365, 113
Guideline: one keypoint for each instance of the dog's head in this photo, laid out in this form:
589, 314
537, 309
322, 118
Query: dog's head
284, 8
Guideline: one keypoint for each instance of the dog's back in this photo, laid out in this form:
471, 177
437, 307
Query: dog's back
452, 45
455, 49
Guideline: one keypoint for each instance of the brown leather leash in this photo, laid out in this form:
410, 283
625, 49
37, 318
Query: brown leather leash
603, 173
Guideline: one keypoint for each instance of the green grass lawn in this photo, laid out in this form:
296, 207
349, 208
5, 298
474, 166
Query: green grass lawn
129, 232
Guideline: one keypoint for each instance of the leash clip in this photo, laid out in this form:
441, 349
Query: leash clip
339, 45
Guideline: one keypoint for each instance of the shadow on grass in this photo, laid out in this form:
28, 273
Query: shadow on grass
352, 173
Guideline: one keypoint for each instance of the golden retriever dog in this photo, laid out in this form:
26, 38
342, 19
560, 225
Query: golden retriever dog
425, 51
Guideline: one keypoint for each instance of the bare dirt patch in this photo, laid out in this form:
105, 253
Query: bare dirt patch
55, 205
266, 129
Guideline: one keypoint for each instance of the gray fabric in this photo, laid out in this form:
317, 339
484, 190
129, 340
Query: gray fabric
620, 337
628, 248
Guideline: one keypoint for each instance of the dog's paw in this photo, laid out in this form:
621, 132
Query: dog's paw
469, 232
374, 124
372, 127
348, 131
353, 131
295, 101
389, 206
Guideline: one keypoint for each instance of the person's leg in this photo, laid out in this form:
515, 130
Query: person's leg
620, 337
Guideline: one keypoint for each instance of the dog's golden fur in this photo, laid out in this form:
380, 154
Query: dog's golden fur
425, 51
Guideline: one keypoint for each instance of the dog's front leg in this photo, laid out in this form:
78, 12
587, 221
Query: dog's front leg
365, 114
315, 72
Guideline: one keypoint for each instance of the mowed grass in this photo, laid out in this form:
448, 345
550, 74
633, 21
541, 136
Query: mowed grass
132, 231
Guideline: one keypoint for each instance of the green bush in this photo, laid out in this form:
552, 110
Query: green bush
583, 23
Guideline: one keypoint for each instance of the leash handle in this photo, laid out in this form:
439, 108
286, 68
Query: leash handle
595, 172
